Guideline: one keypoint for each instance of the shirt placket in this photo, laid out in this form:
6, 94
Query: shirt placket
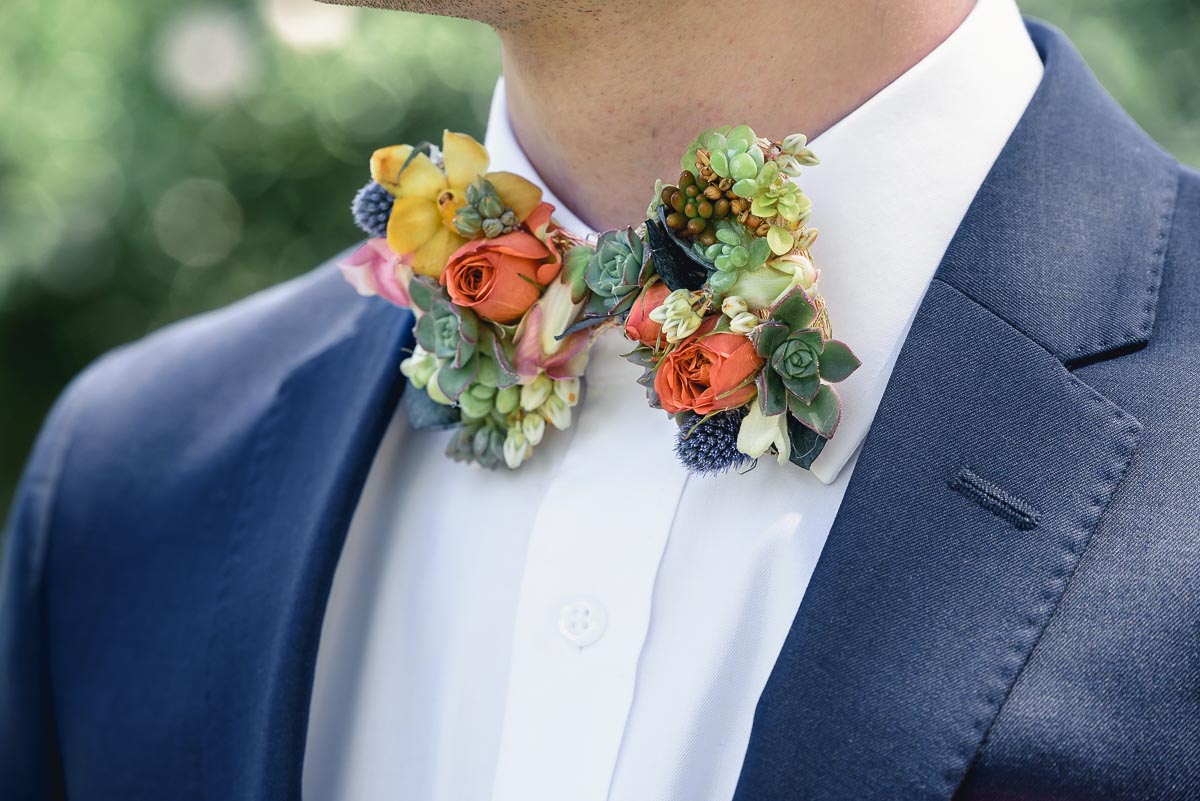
586, 592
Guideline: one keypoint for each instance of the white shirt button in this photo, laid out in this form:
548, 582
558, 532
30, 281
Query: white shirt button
582, 622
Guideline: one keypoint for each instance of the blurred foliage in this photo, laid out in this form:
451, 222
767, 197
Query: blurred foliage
164, 159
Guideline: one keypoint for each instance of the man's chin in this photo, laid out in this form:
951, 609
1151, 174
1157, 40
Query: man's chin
467, 9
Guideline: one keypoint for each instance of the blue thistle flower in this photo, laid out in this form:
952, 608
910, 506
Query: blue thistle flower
710, 446
371, 208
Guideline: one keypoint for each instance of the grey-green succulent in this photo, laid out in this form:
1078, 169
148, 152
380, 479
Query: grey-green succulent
733, 152
737, 250
615, 271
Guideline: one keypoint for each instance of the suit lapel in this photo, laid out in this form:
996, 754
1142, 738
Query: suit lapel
313, 448
987, 467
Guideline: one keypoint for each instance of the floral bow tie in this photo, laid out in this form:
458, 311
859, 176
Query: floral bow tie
716, 290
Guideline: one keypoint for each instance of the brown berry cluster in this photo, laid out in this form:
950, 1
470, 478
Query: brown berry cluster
694, 208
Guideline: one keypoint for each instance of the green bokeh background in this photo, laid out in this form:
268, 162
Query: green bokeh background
158, 160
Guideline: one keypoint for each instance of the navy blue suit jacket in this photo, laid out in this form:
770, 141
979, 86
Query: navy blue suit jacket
1008, 605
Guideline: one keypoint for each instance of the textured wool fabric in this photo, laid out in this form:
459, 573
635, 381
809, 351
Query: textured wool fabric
172, 547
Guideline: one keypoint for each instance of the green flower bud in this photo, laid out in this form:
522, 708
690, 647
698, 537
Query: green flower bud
467, 222
435, 392
492, 228
490, 206
507, 399
473, 406
534, 394
482, 391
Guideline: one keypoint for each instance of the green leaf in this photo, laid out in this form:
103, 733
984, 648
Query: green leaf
767, 337
760, 250
422, 291
720, 281
838, 361
742, 166
575, 269
426, 414
719, 163
803, 388
745, 187
822, 415
740, 133
468, 324
794, 310
506, 373
780, 239
728, 235
453, 381
806, 444
425, 333
772, 395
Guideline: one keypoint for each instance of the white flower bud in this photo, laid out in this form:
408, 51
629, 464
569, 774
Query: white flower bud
419, 367
533, 426
659, 313
688, 325
568, 390
678, 302
556, 412
534, 393
733, 305
516, 448
794, 143
743, 323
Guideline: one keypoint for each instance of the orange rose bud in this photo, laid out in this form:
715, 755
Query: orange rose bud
707, 372
638, 325
500, 278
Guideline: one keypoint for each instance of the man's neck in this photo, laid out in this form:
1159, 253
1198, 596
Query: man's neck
603, 102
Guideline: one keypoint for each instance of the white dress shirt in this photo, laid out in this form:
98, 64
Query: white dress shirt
599, 624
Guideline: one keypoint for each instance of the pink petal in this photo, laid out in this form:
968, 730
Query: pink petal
527, 360
571, 359
374, 269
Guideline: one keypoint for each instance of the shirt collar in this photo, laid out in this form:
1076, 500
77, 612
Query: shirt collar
895, 180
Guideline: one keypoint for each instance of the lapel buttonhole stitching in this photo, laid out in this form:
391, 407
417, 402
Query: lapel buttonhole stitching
995, 499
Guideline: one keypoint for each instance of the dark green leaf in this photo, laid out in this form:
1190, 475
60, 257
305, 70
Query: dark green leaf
772, 394
806, 444
838, 361
767, 337
794, 310
424, 414
674, 260
803, 388
822, 415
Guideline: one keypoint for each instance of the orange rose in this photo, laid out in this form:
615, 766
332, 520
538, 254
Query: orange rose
501, 278
638, 325
707, 371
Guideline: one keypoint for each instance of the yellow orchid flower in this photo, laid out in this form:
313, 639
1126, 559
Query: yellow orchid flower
422, 221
